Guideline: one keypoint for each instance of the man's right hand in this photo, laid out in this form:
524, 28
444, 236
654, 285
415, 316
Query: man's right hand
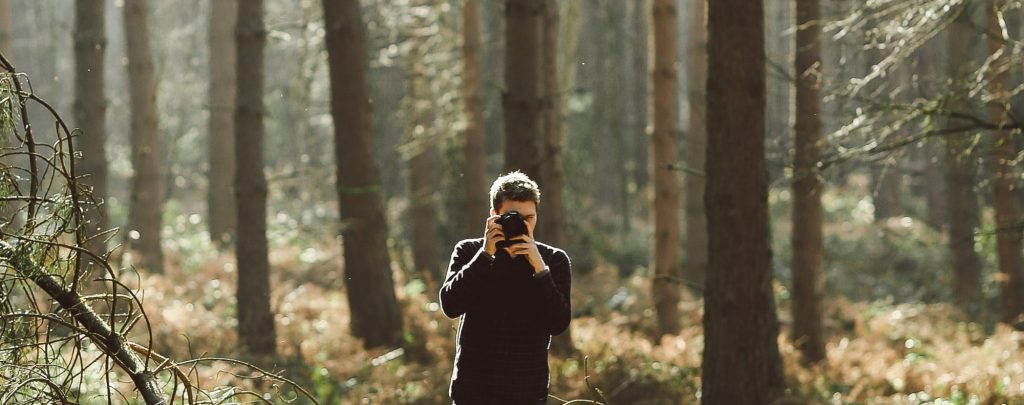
492, 234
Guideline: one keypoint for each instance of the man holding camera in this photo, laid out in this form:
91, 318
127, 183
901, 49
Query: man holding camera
512, 294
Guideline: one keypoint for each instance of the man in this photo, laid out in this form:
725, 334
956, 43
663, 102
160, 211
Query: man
512, 299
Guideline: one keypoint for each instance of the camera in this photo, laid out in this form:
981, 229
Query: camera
513, 226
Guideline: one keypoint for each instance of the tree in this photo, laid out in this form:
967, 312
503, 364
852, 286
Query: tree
695, 217
522, 101
741, 357
255, 321
962, 203
551, 173
664, 163
146, 206
1004, 158
5, 26
90, 114
220, 195
473, 149
421, 139
376, 317
807, 185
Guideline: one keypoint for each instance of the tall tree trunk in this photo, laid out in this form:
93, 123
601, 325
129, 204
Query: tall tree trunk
146, 206
522, 101
220, 201
1008, 236
553, 229
474, 153
741, 356
637, 49
422, 161
695, 263
5, 27
807, 185
90, 112
664, 164
960, 168
376, 316
255, 321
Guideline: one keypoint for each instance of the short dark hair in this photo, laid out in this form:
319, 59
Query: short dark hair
514, 186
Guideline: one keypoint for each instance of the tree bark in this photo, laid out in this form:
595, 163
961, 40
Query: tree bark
474, 152
522, 102
960, 168
664, 165
421, 166
552, 230
5, 27
695, 263
376, 317
255, 321
1008, 236
807, 185
741, 357
220, 196
90, 113
146, 206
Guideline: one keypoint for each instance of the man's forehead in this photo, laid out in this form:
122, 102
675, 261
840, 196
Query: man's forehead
524, 207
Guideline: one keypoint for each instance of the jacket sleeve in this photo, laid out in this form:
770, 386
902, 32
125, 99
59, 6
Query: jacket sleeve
556, 286
464, 282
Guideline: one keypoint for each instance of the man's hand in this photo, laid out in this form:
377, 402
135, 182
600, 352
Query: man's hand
529, 249
492, 234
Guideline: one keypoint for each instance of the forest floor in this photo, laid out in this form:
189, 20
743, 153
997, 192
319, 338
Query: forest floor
878, 352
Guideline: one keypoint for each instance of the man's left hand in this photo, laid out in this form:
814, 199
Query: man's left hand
529, 249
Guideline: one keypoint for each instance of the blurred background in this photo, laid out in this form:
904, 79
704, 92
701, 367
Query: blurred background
895, 120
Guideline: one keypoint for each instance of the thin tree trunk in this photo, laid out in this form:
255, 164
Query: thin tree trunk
664, 162
638, 94
807, 185
422, 162
255, 321
474, 152
221, 141
885, 190
741, 362
696, 238
146, 206
523, 106
552, 231
960, 168
90, 112
5, 27
1008, 236
376, 316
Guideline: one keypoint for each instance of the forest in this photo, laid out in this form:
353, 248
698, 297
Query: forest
759, 202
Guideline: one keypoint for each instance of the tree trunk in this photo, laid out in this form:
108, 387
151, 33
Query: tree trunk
421, 137
664, 164
255, 321
474, 152
695, 217
807, 185
146, 206
220, 195
552, 211
376, 317
5, 27
1008, 236
90, 112
637, 49
885, 190
522, 101
960, 167
741, 357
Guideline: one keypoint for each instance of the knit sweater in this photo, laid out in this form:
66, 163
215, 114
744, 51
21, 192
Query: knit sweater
507, 319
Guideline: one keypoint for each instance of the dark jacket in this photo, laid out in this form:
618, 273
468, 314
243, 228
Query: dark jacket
508, 317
